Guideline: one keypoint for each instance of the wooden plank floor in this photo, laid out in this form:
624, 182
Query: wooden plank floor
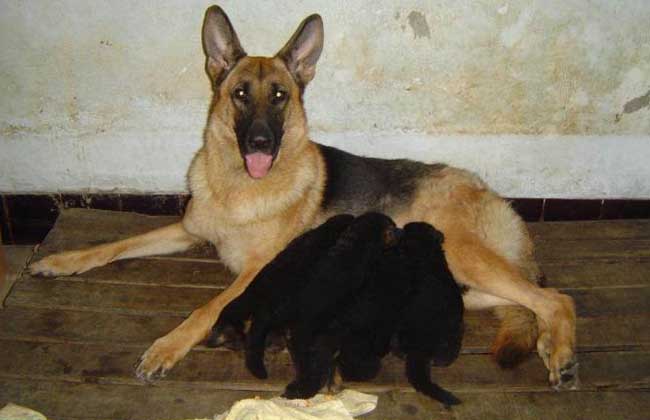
68, 345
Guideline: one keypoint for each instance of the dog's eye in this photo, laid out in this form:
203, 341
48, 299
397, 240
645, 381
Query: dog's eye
240, 93
279, 96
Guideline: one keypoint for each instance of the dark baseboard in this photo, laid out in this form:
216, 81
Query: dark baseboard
26, 218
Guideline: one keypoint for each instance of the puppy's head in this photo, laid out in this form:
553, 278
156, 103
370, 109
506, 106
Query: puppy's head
257, 107
336, 225
375, 229
420, 237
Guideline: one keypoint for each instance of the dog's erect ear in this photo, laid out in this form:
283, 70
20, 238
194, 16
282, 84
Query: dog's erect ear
302, 51
221, 44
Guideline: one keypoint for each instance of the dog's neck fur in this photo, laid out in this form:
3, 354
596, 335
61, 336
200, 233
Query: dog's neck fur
223, 176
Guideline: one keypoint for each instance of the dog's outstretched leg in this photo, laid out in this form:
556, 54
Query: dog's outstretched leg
486, 272
165, 240
169, 349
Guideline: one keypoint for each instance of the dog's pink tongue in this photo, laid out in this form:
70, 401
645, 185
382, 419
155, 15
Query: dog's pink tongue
258, 164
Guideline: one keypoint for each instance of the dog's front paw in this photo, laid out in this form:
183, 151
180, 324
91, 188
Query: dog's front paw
66, 263
158, 359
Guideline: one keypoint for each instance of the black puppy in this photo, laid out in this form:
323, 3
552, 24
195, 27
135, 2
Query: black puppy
280, 280
336, 276
431, 324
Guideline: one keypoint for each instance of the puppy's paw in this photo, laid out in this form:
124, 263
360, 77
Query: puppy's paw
449, 400
228, 337
297, 390
256, 366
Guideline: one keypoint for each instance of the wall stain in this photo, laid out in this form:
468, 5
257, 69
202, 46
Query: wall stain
419, 25
634, 105
637, 103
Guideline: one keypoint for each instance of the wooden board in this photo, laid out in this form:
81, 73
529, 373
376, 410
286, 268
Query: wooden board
614, 273
72, 400
620, 332
604, 405
16, 258
158, 299
591, 229
224, 369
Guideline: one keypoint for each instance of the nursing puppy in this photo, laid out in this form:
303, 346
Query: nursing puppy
340, 273
281, 279
431, 324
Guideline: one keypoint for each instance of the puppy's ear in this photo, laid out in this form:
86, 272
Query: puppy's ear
302, 51
221, 45
437, 235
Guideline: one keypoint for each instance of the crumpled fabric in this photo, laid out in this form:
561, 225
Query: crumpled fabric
16, 412
343, 406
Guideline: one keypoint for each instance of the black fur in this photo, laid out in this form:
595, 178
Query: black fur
358, 184
336, 275
431, 325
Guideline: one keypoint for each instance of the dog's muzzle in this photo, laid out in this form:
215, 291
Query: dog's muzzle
260, 149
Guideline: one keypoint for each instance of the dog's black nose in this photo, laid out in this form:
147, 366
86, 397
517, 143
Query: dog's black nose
260, 143
259, 137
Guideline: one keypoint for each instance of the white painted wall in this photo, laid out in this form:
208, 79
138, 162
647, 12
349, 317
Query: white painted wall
542, 98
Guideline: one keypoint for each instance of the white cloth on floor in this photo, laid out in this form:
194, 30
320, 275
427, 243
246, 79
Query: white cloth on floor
17, 412
343, 406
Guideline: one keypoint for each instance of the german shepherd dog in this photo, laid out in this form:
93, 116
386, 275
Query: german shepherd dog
259, 181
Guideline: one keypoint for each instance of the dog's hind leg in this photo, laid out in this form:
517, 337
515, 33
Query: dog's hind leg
501, 282
165, 240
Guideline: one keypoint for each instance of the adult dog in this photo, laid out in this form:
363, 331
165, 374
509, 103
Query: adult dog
259, 181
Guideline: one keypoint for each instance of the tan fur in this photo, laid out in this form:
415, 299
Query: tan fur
251, 220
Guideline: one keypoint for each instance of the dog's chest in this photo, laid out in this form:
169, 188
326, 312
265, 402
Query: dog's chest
236, 242
244, 243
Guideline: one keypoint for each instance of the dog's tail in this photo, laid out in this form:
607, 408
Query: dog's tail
517, 335
418, 368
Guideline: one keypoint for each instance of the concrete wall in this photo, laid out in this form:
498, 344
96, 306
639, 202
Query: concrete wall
543, 98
